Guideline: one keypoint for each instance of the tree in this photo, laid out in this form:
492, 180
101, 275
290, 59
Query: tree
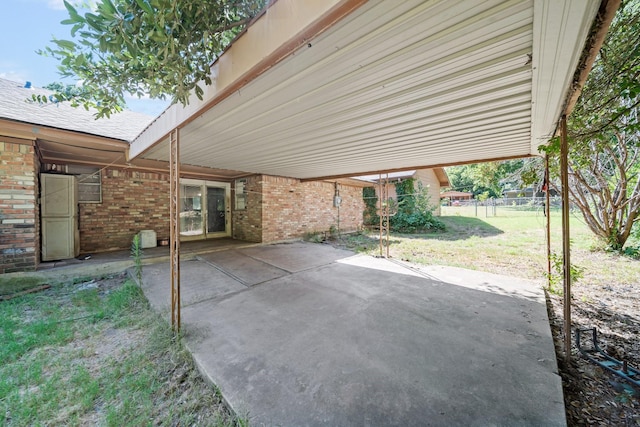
158, 48
487, 177
62, 92
604, 142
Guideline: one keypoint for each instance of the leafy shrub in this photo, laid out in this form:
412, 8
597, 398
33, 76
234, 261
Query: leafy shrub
632, 252
370, 215
415, 212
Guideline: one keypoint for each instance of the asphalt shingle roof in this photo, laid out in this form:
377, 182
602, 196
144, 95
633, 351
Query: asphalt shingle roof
15, 105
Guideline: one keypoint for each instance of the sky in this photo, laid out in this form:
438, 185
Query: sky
29, 25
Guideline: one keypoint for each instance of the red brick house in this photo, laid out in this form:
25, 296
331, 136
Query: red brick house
117, 198
313, 91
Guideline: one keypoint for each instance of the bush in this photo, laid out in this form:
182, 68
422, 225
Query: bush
415, 222
415, 212
370, 215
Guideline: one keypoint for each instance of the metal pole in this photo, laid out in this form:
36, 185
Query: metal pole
383, 185
386, 212
547, 212
566, 243
174, 227
381, 206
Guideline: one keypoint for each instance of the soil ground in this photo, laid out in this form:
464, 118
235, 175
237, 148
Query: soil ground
593, 396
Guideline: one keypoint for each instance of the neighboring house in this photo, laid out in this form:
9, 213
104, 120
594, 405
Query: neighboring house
46, 148
455, 196
527, 192
432, 179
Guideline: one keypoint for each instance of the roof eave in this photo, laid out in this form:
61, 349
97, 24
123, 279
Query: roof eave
272, 37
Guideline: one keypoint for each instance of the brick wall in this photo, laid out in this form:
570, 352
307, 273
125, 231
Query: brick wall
131, 201
291, 208
277, 209
247, 223
19, 247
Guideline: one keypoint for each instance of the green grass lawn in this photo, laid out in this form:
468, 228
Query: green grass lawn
74, 356
511, 242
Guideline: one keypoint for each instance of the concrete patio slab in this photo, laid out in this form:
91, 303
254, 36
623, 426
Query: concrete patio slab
201, 281
295, 257
249, 271
367, 341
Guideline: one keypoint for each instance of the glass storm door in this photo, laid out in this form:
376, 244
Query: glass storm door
191, 210
204, 209
216, 210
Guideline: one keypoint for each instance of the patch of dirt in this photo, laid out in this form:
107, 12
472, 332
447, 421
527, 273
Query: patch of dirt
594, 396
183, 386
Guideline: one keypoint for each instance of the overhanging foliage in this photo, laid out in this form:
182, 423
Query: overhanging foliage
604, 135
160, 48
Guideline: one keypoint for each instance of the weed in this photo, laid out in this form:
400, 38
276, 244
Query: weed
557, 275
314, 237
632, 252
136, 254
10, 285
72, 357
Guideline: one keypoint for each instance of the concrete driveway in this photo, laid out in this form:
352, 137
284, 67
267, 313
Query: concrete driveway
307, 335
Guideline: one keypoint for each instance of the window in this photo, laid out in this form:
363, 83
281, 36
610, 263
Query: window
89, 183
241, 194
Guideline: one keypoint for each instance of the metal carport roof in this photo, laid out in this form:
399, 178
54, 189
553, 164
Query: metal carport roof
334, 88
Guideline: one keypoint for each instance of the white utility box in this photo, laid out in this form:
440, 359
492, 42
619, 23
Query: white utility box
148, 239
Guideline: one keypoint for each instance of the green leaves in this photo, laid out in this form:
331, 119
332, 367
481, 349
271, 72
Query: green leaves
144, 5
160, 47
73, 13
604, 135
65, 44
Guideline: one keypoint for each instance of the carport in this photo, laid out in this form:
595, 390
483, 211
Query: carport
336, 88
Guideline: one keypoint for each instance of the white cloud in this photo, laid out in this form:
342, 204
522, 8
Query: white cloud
11, 70
55, 4
14, 76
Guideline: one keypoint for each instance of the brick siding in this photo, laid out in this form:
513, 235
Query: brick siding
276, 209
131, 201
19, 247
247, 223
291, 208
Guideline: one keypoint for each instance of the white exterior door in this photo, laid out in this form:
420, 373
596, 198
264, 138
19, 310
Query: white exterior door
59, 220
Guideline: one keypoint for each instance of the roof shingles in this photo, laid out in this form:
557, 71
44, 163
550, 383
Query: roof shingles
16, 104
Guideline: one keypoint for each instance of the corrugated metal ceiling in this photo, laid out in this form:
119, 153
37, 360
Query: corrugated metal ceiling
398, 85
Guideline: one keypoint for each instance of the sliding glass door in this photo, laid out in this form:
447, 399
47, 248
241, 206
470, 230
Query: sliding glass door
190, 210
204, 209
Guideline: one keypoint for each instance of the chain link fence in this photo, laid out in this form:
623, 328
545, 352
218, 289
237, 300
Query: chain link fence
507, 206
